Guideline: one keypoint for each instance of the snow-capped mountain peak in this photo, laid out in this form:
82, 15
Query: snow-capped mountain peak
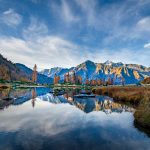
108, 62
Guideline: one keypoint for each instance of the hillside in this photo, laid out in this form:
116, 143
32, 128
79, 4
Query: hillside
132, 73
19, 72
9, 71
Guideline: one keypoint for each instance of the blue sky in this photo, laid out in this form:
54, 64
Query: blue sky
67, 32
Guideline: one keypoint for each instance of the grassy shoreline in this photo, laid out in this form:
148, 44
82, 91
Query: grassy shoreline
139, 96
132, 94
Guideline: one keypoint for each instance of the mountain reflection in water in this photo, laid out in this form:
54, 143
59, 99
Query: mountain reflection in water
99, 103
41, 120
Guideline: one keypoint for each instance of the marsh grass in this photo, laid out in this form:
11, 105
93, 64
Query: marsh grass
125, 94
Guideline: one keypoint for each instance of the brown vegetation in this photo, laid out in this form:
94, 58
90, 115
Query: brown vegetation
142, 114
134, 95
10, 72
126, 94
146, 81
34, 75
56, 79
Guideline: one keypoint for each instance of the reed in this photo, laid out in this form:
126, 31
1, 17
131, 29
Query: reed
125, 94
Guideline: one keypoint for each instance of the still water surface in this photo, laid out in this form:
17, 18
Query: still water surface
39, 120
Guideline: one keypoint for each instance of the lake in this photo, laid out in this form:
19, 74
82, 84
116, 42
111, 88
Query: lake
38, 120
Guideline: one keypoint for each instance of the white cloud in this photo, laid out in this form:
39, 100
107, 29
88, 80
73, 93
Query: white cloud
11, 18
45, 51
65, 12
144, 24
147, 45
89, 9
36, 28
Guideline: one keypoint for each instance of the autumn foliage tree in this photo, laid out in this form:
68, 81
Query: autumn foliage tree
99, 82
56, 79
34, 75
4, 72
80, 79
110, 81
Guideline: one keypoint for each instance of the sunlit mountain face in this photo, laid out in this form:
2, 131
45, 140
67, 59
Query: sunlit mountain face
132, 73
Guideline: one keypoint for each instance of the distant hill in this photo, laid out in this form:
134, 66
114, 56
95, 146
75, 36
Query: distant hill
132, 73
146, 80
9, 71
42, 79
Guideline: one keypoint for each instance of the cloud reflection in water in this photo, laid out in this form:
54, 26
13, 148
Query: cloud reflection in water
64, 126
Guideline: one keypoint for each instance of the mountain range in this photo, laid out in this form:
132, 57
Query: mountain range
132, 73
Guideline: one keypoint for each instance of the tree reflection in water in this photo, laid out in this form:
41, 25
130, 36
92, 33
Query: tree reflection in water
4, 93
33, 97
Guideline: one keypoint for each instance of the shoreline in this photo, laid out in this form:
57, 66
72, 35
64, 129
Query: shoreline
139, 96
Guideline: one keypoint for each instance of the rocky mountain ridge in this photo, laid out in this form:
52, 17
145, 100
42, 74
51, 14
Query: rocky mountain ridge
132, 73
